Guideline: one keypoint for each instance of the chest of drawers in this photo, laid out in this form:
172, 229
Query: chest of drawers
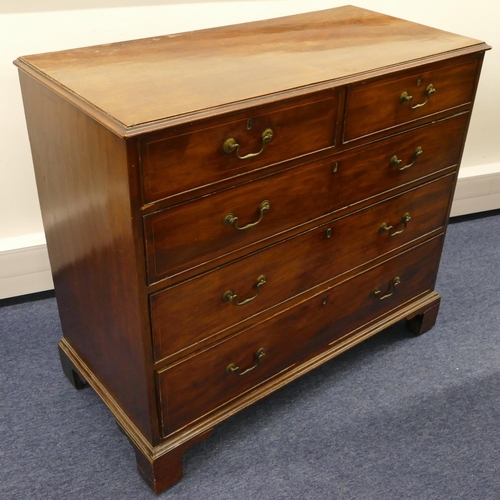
227, 209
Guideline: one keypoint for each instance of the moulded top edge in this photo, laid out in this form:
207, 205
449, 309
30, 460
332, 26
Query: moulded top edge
142, 85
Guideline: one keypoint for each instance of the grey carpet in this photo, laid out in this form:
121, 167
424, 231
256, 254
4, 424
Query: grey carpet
397, 417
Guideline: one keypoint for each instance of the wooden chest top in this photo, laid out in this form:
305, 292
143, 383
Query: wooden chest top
143, 85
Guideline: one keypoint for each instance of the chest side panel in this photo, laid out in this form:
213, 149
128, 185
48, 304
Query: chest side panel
83, 184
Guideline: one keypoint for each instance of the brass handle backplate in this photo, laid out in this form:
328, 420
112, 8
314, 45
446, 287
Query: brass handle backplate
232, 368
230, 296
390, 229
390, 289
231, 219
231, 145
405, 97
396, 162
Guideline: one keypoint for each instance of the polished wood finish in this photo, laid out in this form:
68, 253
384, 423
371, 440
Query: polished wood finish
83, 189
318, 256
290, 338
134, 185
192, 234
300, 126
237, 63
454, 81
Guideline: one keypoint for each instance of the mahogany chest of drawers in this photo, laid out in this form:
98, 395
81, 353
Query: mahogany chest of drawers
227, 209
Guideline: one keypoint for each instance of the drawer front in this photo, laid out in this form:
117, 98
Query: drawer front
234, 293
377, 105
203, 382
188, 159
192, 234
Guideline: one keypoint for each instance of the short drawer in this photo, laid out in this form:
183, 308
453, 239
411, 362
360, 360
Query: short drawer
197, 155
249, 286
199, 232
203, 382
376, 105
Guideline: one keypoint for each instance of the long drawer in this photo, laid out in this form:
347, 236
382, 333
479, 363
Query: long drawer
203, 382
233, 293
205, 230
380, 104
183, 159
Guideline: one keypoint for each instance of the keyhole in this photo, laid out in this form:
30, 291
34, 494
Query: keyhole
249, 124
324, 301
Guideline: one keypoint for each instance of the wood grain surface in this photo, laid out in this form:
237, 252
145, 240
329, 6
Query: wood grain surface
172, 75
201, 383
193, 234
293, 267
135, 190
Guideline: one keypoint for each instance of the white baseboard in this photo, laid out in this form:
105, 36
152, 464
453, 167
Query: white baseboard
478, 190
25, 268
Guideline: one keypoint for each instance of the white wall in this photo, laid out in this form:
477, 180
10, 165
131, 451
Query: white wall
31, 26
